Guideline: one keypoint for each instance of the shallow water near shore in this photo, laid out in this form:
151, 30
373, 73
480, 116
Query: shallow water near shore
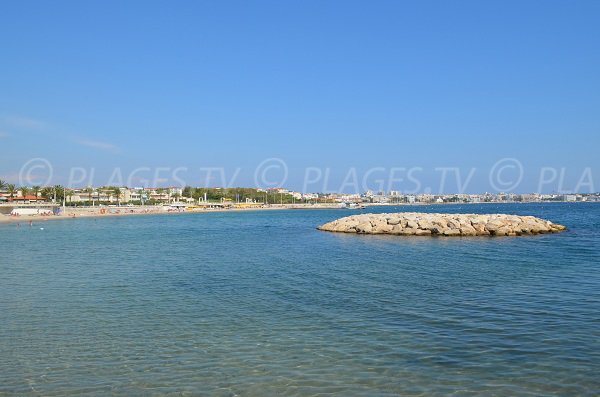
263, 304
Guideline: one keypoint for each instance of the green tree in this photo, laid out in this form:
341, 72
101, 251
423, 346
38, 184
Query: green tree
48, 192
36, 190
59, 193
3, 184
89, 190
69, 194
24, 191
117, 192
11, 189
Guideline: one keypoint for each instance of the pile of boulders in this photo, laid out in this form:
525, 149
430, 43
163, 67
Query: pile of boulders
425, 224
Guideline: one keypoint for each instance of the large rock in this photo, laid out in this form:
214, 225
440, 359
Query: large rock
423, 224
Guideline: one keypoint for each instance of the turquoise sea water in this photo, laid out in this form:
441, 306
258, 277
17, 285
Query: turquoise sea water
262, 304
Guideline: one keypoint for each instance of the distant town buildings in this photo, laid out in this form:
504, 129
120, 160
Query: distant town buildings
249, 196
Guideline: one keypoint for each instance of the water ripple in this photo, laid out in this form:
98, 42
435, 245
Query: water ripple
262, 304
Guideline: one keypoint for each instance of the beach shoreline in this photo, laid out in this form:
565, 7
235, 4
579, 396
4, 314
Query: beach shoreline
107, 212
104, 212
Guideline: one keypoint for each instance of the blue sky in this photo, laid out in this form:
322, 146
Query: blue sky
342, 87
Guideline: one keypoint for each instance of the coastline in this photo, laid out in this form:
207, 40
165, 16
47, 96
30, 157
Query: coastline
95, 212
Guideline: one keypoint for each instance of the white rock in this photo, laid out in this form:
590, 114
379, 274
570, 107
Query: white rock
419, 224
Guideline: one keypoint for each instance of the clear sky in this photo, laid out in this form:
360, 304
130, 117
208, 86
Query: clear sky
330, 85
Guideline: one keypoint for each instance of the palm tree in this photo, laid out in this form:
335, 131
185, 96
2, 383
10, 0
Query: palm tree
69, 194
89, 190
24, 191
3, 184
47, 192
12, 190
59, 193
117, 191
36, 190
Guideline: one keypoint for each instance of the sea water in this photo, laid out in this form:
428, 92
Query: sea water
260, 303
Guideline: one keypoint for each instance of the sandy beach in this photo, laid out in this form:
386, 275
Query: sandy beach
102, 212
84, 212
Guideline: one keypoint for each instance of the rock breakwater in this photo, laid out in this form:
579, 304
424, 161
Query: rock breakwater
425, 224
